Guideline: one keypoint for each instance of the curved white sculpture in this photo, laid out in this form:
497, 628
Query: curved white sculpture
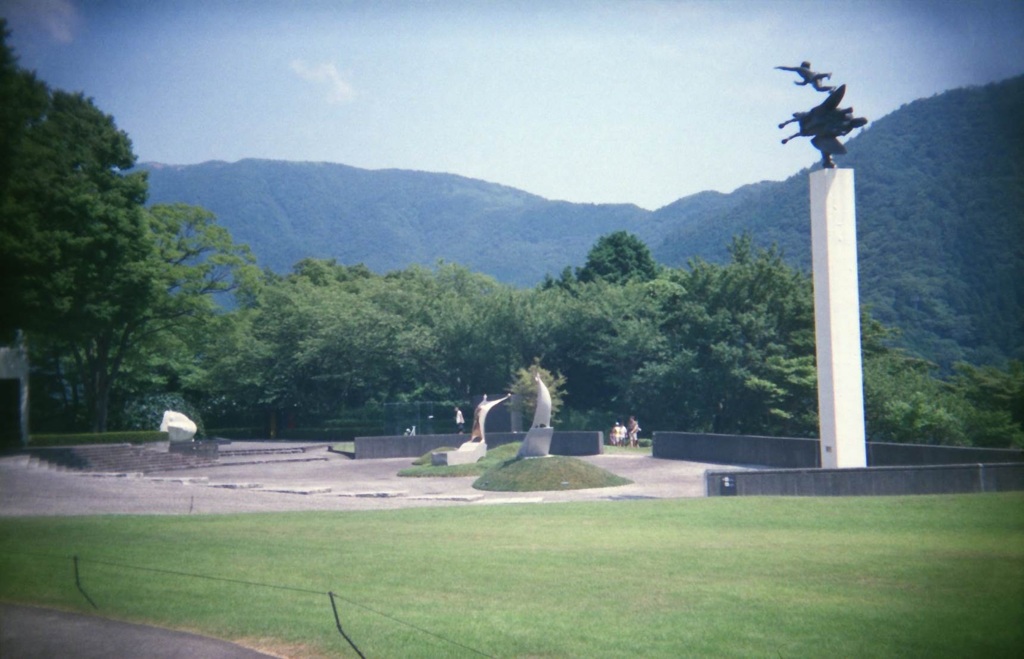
476, 448
542, 415
538, 441
480, 416
179, 428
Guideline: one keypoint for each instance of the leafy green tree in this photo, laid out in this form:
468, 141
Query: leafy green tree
194, 263
524, 387
75, 236
617, 258
740, 356
996, 398
721, 348
569, 325
25, 100
93, 278
331, 338
483, 331
905, 403
603, 335
327, 347
231, 378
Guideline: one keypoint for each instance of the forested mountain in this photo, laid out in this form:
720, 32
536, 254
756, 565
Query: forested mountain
940, 212
390, 219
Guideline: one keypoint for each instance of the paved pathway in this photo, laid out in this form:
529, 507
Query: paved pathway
33, 633
315, 480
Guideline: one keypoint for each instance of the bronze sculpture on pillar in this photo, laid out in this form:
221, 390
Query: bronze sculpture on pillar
824, 123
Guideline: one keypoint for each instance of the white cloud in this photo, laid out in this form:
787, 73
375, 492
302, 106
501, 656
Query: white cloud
338, 89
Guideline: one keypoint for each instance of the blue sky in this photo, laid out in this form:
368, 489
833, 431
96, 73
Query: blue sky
587, 100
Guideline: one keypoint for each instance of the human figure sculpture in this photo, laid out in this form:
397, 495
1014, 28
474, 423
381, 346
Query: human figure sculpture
808, 77
480, 416
824, 124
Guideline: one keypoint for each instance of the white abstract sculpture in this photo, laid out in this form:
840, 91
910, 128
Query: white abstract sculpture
179, 428
480, 417
470, 452
538, 440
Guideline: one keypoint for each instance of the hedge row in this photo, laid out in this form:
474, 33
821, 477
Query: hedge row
126, 437
323, 434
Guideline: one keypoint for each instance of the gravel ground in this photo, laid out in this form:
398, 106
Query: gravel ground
315, 480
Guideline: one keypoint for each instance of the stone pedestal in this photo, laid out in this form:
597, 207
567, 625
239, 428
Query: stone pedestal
468, 453
837, 319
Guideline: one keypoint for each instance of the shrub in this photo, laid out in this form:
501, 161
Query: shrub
146, 412
125, 437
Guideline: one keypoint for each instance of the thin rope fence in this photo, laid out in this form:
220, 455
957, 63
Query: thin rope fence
78, 560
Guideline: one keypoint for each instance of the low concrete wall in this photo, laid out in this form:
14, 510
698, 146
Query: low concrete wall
882, 454
872, 481
404, 446
577, 442
413, 446
790, 452
796, 453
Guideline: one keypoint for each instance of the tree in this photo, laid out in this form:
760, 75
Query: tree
740, 356
524, 388
905, 403
24, 103
94, 277
194, 264
996, 398
617, 258
75, 235
482, 330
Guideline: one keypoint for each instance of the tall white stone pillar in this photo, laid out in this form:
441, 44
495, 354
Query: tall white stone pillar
837, 319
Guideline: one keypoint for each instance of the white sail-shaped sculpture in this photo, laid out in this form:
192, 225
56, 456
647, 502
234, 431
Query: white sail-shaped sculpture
538, 440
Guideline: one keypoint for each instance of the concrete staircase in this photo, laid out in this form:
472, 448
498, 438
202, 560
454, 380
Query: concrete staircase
116, 458
233, 452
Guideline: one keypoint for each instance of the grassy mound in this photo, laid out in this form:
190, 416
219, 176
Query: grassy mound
495, 456
554, 472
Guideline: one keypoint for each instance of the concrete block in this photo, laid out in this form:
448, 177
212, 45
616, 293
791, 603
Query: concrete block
468, 453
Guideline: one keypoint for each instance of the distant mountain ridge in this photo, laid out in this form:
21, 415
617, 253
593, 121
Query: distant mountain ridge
940, 211
389, 219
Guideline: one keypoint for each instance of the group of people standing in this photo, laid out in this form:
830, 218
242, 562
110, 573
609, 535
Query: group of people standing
625, 435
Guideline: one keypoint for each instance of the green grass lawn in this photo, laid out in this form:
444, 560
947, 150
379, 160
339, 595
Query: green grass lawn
929, 576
